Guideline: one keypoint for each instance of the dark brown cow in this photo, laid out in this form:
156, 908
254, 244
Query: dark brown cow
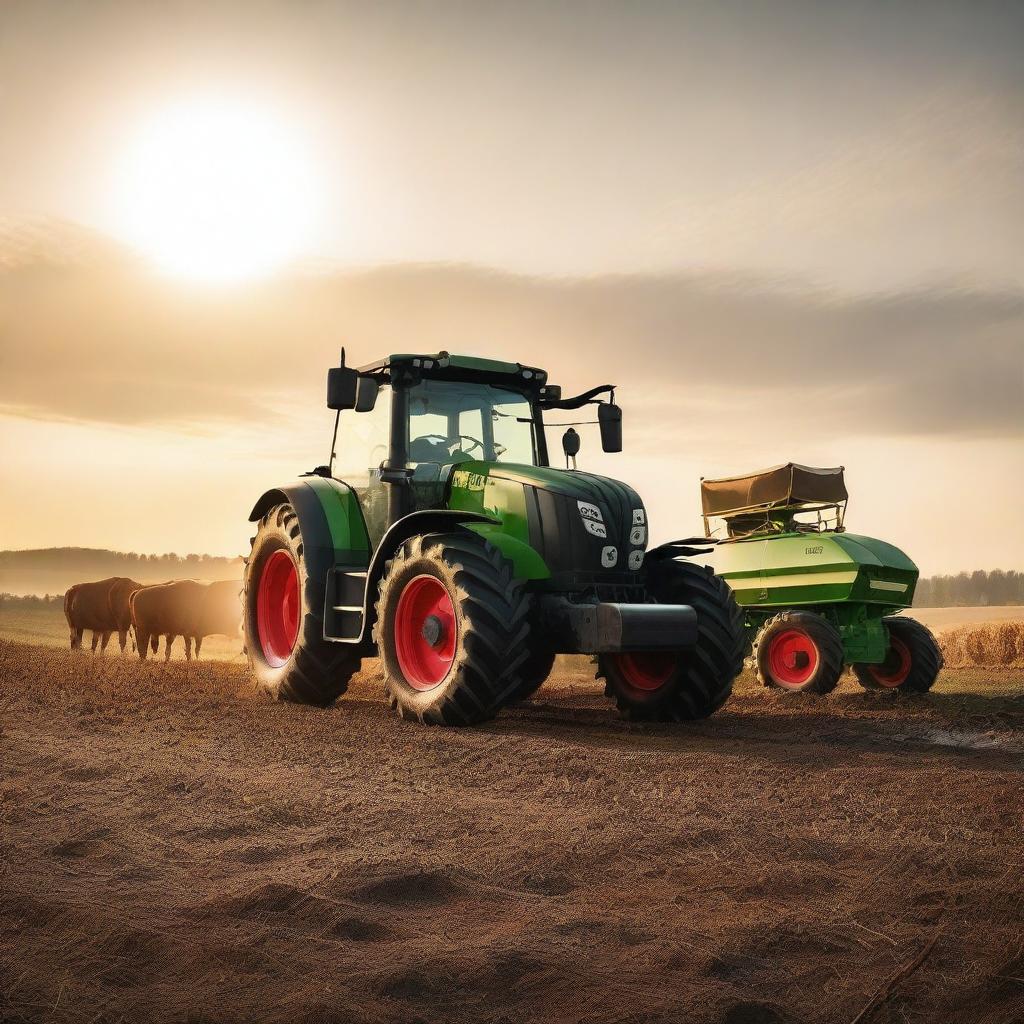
187, 609
102, 607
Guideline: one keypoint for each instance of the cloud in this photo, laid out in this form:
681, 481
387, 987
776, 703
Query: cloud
104, 341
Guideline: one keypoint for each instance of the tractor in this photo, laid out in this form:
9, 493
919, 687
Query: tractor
439, 538
815, 598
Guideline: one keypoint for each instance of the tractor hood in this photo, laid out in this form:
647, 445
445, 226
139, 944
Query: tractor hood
577, 529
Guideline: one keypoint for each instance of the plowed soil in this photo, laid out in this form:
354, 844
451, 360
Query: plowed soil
178, 848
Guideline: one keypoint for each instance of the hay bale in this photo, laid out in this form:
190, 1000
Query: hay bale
992, 645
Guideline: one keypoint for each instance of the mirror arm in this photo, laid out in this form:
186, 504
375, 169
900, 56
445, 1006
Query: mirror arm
334, 437
579, 400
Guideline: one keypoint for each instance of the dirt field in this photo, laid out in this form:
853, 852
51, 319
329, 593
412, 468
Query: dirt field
177, 848
937, 619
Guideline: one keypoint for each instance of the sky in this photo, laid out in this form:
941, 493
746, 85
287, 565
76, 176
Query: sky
788, 231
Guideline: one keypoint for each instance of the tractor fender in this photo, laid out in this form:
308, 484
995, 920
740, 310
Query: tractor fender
426, 521
331, 524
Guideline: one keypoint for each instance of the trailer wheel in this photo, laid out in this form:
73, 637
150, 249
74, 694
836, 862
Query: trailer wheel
282, 619
452, 629
677, 686
801, 652
912, 663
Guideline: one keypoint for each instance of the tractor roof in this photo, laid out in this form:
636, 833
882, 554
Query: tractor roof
787, 486
445, 366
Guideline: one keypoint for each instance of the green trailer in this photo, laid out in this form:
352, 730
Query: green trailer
439, 538
816, 598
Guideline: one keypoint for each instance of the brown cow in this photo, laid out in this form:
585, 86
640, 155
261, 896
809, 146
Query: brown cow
102, 607
187, 609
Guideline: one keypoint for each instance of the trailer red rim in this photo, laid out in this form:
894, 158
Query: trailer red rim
425, 632
894, 670
646, 670
277, 608
792, 658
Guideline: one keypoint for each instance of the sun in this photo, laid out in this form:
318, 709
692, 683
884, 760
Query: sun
217, 189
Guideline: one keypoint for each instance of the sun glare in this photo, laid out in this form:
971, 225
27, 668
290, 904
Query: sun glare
217, 190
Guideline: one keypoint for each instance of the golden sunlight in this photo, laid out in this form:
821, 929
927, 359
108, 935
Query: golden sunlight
217, 190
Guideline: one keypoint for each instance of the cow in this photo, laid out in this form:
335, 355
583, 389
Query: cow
187, 609
102, 607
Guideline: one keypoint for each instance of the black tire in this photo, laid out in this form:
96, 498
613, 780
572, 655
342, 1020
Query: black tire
822, 647
488, 632
913, 669
315, 671
535, 670
694, 683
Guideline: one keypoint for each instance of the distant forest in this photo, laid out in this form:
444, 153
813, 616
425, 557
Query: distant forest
971, 589
53, 570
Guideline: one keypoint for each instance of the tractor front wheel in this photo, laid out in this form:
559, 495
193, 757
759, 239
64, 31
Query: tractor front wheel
801, 652
451, 629
534, 672
912, 663
283, 618
684, 685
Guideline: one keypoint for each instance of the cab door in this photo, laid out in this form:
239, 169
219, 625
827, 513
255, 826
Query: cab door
362, 448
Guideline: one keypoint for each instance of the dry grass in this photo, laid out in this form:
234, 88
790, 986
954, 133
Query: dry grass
993, 645
187, 850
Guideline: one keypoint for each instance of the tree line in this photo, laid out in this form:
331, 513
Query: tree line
43, 558
53, 570
971, 589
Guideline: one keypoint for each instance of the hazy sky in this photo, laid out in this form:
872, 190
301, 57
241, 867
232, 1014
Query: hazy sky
858, 144
788, 230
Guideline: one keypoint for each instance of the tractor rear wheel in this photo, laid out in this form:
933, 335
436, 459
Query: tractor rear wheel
801, 652
283, 618
452, 629
684, 685
912, 663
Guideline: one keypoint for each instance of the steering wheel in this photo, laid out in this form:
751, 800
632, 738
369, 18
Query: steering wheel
474, 443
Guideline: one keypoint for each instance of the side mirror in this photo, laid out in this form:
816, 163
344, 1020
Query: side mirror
366, 394
571, 443
342, 385
609, 418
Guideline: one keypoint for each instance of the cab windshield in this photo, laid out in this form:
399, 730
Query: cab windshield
453, 422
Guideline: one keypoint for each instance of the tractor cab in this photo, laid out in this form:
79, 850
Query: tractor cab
410, 420
421, 416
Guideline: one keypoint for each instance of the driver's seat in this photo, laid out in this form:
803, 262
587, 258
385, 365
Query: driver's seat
428, 449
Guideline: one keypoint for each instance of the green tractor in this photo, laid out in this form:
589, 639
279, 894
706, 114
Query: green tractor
814, 597
439, 538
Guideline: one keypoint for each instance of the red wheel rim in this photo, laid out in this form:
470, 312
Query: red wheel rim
646, 670
277, 608
894, 670
425, 632
792, 658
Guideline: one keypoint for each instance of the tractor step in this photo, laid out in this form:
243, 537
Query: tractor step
343, 614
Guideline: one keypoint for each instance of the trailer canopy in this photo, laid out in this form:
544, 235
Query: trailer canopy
787, 486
